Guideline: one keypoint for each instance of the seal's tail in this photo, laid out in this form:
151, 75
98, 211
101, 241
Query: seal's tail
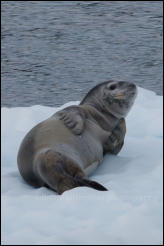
90, 183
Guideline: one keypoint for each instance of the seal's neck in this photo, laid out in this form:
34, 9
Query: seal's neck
106, 120
92, 101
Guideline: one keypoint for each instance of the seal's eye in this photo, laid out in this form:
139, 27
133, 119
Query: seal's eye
112, 87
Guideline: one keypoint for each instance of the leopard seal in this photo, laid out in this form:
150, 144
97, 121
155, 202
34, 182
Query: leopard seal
64, 149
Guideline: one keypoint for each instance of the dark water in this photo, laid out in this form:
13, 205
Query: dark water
55, 51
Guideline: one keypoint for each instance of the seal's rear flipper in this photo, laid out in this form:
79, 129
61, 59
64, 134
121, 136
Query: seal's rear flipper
60, 174
90, 183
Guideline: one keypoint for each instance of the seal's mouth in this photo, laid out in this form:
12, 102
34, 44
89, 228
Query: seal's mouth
119, 96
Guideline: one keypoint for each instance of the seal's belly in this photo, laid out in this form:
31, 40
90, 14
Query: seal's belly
86, 149
90, 150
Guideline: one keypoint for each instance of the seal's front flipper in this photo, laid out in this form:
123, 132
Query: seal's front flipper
116, 140
73, 117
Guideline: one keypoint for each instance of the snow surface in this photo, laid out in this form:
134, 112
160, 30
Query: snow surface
129, 213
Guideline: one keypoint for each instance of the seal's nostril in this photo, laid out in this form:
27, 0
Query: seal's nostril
112, 87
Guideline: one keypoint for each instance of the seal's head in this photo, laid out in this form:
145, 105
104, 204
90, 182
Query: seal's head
115, 97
